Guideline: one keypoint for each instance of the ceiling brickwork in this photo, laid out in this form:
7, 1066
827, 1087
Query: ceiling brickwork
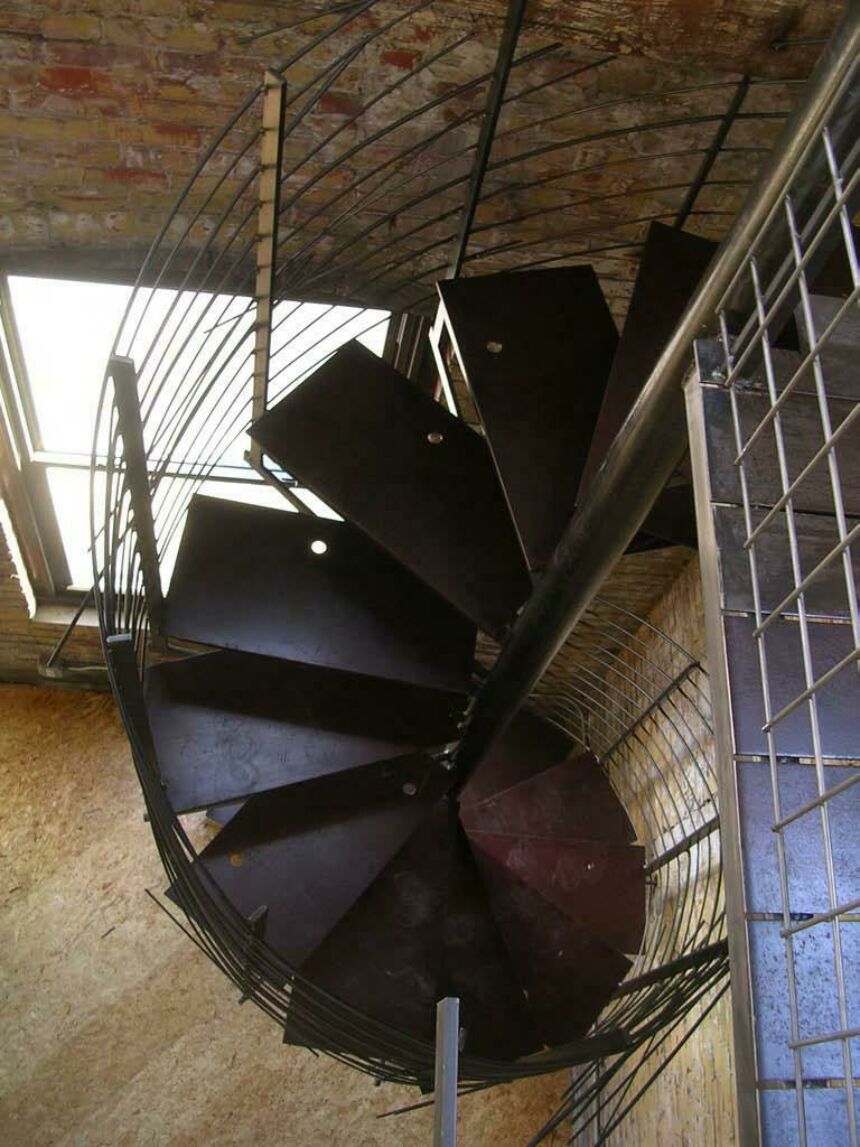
106, 107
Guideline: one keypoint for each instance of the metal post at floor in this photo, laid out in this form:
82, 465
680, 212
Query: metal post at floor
445, 1079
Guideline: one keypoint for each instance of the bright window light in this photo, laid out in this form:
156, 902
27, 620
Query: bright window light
67, 330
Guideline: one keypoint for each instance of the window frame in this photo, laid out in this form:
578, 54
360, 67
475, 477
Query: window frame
24, 463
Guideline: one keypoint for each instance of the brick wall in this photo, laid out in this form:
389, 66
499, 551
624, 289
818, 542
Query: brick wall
105, 105
25, 642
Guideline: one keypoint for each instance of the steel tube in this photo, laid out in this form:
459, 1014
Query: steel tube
446, 1072
652, 440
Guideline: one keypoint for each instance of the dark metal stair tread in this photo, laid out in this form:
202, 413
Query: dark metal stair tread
388, 955
536, 348
383, 956
568, 974
246, 578
529, 745
361, 436
671, 266
228, 725
672, 518
571, 800
598, 885
308, 852
493, 1008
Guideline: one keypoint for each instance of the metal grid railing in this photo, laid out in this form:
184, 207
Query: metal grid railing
790, 338
641, 703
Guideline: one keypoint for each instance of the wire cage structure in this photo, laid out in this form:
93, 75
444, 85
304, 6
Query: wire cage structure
778, 477
325, 210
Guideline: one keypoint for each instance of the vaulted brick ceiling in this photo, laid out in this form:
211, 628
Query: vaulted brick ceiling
611, 111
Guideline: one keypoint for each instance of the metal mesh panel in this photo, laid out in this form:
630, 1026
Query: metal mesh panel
785, 491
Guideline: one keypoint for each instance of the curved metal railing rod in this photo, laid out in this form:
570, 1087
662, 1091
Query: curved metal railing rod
366, 201
193, 220
333, 71
300, 21
655, 813
579, 232
204, 160
472, 85
589, 138
597, 224
446, 160
228, 428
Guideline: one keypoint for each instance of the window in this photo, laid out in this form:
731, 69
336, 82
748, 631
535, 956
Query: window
56, 336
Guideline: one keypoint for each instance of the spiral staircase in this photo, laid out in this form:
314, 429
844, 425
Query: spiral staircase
306, 679
319, 718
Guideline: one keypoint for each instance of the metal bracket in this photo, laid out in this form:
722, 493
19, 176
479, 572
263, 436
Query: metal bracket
710, 358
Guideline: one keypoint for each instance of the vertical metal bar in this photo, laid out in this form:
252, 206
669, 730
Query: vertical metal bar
504, 59
765, 678
271, 158
814, 716
122, 662
709, 358
124, 376
713, 151
445, 1080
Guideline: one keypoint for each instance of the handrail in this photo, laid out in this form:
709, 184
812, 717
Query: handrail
651, 441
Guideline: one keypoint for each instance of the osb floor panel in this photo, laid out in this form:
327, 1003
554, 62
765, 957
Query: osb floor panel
114, 1029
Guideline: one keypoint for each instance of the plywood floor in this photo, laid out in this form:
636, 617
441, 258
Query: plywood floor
114, 1030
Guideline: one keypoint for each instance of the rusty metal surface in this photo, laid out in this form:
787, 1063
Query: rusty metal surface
599, 886
228, 725
407, 473
572, 800
247, 578
308, 852
528, 746
567, 974
536, 349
